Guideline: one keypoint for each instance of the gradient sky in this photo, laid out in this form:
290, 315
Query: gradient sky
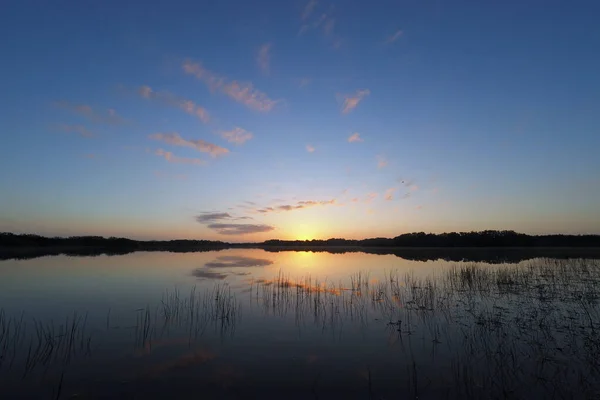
250, 120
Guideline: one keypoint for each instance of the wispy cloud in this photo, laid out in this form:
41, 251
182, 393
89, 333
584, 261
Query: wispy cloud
371, 197
170, 157
211, 217
170, 99
174, 139
298, 206
308, 9
310, 148
389, 194
214, 221
352, 101
236, 135
302, 82
239, 229
263, 58
395, 36
382, 162
109, 116
243, 93
355, 137
79, 129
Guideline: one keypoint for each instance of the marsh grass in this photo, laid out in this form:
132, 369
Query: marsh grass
530, 330
504, 331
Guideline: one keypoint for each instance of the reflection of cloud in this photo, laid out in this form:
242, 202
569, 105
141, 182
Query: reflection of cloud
169, 99
236, 135
351, 101
237, 261
263, 59
170, 157
200, 145
108, 117
240, 229
198, 356
355, 137
241, 92
201, 273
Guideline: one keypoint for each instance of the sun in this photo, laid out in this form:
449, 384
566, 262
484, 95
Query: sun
304, 232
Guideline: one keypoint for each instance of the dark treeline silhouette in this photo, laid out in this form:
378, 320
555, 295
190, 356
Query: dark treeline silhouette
491, 246
455, 239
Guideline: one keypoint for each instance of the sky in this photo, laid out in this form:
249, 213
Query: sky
300, 119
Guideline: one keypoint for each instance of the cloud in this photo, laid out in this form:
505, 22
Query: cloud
310, 148
109, 117
210, 217
328, 27
370, 197
355, 137
389, 194
79, 129
243, 93
167, 98
351, 101
382, 162
237, 261
200, 145
170, 157
302, 82
394, 37
308, 9
203, 274
236, 135
263, 59
297, 206
239, 229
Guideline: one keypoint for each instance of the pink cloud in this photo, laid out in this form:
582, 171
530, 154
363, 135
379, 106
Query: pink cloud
300, 205
392, 38
170, 157
310, 148
243, 93
355, 137
106, 117
371, 197
308, 9
381, 162
79, 129
169, 99
352, 101
263, 59
389, 194
200, 145
236, 135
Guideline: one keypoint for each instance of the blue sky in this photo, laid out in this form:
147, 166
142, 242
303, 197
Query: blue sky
245, 120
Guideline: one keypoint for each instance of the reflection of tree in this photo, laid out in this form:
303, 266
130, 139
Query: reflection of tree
490, 246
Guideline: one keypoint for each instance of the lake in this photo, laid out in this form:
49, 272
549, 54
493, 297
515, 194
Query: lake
249, 323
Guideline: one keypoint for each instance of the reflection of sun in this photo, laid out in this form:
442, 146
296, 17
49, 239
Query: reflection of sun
303, 259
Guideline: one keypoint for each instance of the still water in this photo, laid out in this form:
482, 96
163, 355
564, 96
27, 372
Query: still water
246, 323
